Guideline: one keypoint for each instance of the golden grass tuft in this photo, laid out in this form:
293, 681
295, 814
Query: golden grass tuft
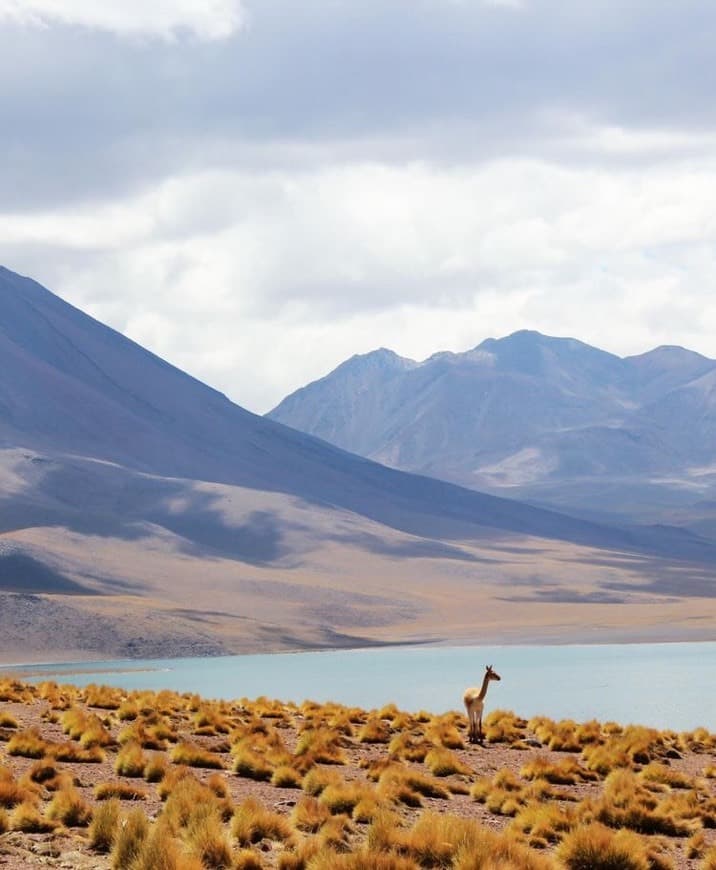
26, 817
286, 777
441, 761
252, 822
595, 847
193, 755
28, 744
129, 840
69, 807
566, 771
207, 839
123, 790
131, 760
104, 826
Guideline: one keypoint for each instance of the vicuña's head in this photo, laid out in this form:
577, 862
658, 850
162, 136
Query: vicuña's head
491, 673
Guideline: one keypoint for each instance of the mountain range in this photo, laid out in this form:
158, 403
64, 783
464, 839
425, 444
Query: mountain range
547, 420
143, 513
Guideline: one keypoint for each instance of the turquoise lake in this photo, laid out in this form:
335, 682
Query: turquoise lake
665, 685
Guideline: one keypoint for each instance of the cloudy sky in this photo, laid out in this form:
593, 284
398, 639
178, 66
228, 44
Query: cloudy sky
257, 189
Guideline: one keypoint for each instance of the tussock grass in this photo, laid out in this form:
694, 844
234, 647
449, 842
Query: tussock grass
104, 826
286, 777
194, 755
322, 745
26, 817
443, 731
595, 847
207, 839
129, 840
660, 773
69, 807
318, 778
543, 824
72, 753
440, 761
13, 793
345, 797
29, 744
409, 747
567, 771
247, 859
7, 720
375, 730
252, 822
503, 726
131, 760
309, 815
155, 768
103, 697
124, 791
395, 777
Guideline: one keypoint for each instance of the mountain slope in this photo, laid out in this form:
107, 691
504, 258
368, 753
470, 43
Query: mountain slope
528, 416
140, 500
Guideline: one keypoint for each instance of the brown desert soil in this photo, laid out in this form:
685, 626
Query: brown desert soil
69, 848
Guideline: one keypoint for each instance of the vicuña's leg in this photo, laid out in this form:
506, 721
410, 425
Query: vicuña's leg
480, 735
469, 722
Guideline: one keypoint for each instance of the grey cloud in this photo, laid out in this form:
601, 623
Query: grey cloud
87, 114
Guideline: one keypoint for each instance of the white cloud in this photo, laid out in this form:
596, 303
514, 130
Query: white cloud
207, 19
258, 281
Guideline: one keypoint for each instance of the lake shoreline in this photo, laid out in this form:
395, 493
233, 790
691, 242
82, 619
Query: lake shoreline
86, 665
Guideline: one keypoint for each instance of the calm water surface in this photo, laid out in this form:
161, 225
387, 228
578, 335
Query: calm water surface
664, 685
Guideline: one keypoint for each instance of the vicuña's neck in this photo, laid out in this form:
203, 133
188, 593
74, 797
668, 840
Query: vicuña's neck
485, 684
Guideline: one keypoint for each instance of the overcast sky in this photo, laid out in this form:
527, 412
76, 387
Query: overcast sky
257, 190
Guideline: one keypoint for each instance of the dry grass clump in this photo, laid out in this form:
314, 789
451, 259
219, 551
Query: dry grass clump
206, 837
375, 730
397, 777
252, 822
103, 697
85, 727
194, 755
29, 744
15, 691
408, 746
7, 720
322, 745
319, 778
156, 768
343, 798
567, 771
627, 803
73, 753
503, 795
286, 777
543, 824
309, 815
442, 762
131, 760
632, 746
188, 794
129, 840
596, 847
26, 817
503, 726
124, 791
664, 775
557, 736
12, 792
437, 840
443, 730
69, 807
